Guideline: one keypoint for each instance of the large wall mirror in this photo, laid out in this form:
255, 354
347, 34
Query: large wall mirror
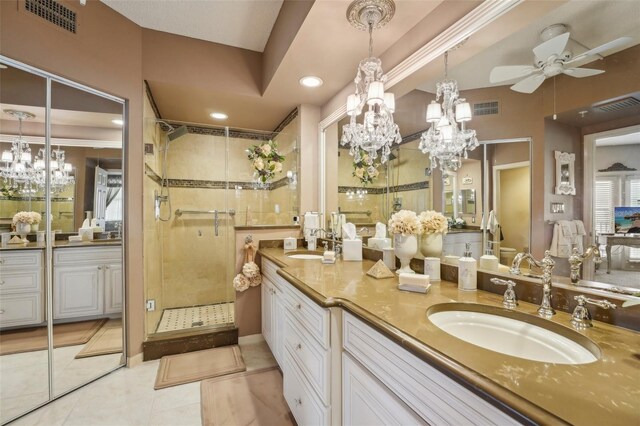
61, 220
512, 174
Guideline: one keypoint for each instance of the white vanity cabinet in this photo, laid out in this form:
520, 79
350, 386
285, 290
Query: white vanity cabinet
429, 394
21, 288
298, 332
87, 282
454, 244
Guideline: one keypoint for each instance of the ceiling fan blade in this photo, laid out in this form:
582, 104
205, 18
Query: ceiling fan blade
612, 44
510, 72
554, 46
529, 84
582, 72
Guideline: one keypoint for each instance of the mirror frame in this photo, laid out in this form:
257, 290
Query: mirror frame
565, 159
48, 249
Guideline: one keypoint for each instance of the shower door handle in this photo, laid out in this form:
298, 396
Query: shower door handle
216, 221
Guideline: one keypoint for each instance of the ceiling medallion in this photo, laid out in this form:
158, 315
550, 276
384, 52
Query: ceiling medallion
359, 11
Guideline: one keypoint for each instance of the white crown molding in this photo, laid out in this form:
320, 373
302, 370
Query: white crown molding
87, 143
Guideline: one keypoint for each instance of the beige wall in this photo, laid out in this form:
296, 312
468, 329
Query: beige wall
514, 207
110, 63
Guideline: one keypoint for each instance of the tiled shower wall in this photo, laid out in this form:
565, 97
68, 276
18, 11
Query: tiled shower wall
186, 263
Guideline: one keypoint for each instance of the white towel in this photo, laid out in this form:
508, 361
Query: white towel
483, 225
492, 225
563, 239
311, 221
580, 233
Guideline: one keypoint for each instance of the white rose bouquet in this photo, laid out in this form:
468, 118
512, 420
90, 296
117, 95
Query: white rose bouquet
36, 217
365, 168
22, 217
265, 160
433, 222
405, 222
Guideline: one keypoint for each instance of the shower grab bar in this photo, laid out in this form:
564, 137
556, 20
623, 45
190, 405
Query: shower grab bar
216, 220
179, 212
366, 212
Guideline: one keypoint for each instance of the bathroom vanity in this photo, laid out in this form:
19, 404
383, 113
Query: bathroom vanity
355, 350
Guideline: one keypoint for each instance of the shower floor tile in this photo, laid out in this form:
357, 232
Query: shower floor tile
196, 316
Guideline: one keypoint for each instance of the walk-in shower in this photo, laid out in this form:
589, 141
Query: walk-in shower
164, 196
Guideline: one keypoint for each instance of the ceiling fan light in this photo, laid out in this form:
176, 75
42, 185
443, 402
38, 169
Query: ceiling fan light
463, 112
433, 112
375, 95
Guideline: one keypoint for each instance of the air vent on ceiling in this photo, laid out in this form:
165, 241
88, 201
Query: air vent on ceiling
53, 12
485, 108
618, 105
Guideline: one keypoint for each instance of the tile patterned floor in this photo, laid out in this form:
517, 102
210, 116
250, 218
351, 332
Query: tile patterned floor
126, 397
196, 316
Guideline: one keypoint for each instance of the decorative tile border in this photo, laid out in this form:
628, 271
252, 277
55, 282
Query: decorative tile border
381, 190
53, 199
288, 119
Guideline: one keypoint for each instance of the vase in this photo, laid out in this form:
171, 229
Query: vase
35, 227
23, 229
431, 245
405, 246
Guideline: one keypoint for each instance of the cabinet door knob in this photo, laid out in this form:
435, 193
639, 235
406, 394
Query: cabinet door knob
1, 282
298, 401
107, 267
99, 268
1, 311
299, 346
298, 306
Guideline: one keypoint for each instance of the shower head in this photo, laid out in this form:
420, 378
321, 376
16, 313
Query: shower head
176, 133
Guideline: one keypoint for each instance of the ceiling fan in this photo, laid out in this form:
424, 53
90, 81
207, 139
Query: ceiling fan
551, 58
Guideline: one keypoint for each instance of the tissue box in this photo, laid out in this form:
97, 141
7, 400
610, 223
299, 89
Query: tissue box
379, 243
290, 243
352, 250
86, 234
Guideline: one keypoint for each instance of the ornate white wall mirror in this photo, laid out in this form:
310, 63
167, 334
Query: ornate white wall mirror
565, 176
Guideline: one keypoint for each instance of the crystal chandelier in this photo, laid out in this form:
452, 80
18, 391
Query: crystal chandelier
28, 176
377, 131
447, 140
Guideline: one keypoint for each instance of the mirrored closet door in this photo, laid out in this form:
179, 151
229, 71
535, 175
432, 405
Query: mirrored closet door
61, 219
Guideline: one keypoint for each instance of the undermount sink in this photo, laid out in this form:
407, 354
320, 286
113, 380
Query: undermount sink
304, 255
513, 333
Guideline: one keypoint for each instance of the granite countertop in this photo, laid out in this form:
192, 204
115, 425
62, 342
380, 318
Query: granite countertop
61, 244
603, 392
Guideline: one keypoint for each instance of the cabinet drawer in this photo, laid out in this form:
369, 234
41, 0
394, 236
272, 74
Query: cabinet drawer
20, 309
428, 392
18, 282
304, 404
366, 401
310, 357
270, 270
20, 259
309, 315
83, 255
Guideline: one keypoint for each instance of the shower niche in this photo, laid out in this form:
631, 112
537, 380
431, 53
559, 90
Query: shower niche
199, 186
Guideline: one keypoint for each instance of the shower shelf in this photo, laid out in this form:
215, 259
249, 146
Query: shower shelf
179, 212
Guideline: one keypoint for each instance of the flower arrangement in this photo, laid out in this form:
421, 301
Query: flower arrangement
365, 169
433, 222
266, 160
405, 222
8, 191
23, 217
456, 223
36, 218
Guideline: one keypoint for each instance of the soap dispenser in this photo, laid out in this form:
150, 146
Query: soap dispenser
467, 271
488, 261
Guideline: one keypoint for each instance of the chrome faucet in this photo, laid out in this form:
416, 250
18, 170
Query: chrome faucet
547, 263
509, 299
335, 245
576, 259
581, 318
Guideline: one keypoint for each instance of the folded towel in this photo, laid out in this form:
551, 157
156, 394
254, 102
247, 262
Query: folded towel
580, 227
563, 239
580, 233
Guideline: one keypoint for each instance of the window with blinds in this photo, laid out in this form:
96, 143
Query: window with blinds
604, 205
634, 201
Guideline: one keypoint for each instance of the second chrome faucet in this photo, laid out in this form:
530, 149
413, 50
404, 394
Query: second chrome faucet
546, 264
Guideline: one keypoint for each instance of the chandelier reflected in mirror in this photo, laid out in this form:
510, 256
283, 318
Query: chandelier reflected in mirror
377, 131
448, 140
27, 174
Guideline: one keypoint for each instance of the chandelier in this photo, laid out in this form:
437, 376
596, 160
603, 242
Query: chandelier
448, 140
377, 131
28, 174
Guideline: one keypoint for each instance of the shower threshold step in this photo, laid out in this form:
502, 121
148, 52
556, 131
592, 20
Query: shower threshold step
175, 342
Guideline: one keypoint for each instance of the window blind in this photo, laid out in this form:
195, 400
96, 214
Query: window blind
604, 206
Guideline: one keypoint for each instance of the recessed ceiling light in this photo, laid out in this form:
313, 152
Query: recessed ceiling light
219, 115
311, 81
118, 121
